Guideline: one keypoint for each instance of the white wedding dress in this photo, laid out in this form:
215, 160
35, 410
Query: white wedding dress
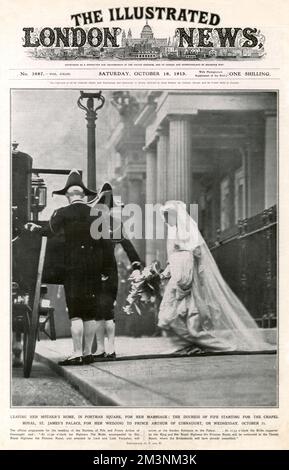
198, 308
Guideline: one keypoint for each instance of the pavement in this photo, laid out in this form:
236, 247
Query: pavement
44, 388
144, 377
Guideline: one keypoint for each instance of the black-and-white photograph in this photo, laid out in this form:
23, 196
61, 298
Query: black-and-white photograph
144, 248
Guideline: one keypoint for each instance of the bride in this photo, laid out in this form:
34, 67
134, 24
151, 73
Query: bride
198, 307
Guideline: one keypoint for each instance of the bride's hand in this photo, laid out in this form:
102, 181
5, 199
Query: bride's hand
197, 252
206, 321
201, 277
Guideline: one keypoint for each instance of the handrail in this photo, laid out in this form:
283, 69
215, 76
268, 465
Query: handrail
239, 236
265, 227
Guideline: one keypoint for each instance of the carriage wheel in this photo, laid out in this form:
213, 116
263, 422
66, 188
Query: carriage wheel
31, 324
28, 345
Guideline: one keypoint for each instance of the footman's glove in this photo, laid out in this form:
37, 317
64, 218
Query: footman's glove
32, 227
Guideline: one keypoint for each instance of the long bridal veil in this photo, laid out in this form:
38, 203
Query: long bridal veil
229, 320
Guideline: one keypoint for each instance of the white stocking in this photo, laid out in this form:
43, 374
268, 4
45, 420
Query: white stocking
77, 336
110, 331
89, 333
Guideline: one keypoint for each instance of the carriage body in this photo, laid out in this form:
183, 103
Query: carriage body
36, 261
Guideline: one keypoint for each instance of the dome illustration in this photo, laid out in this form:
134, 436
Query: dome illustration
147, 32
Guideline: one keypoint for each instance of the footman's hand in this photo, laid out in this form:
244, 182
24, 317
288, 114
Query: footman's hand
31, 226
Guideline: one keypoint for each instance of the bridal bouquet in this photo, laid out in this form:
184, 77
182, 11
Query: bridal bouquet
145, 289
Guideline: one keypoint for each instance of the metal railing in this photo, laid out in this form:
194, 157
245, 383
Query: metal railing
247, 258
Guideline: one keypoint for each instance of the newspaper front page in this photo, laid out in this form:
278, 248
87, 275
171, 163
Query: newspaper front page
172, 342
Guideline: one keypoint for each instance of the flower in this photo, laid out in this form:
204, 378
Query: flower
145, 288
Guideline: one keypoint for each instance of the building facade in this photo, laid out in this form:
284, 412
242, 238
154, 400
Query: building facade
217, 150
125, 155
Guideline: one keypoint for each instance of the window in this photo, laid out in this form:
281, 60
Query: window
225, 203
240, 195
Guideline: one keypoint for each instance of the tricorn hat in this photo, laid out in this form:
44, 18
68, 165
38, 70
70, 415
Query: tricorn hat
74, 179
105, 196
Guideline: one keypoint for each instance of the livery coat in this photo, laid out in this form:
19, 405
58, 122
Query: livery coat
91, 277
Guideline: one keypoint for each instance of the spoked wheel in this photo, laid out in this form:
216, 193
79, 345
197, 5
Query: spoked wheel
28, 343
32, 318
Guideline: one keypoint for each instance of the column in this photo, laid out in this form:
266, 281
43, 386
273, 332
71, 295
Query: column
179, 165
162, 170
151, 175
151, 195
270, 159
162, 165
135, 197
